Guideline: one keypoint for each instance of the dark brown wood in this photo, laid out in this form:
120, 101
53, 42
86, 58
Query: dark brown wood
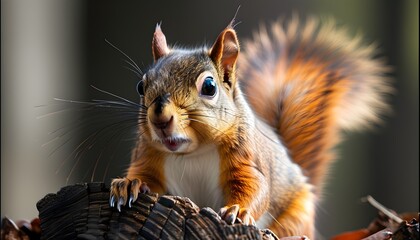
82, 211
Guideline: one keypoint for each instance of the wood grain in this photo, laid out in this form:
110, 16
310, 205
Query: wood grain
82, 211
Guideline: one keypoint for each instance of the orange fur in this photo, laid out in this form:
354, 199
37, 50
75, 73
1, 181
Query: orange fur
298, 217
310, 80
149, 170
302, 84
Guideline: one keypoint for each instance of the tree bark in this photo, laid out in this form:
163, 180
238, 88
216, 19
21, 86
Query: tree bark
82, 211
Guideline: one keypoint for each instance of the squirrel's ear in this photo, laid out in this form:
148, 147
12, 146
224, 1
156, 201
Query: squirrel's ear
224, 53
159, 46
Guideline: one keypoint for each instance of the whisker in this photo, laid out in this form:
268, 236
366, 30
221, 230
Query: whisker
62, 163
124, 115
92, 135
202, 122
134, 66
109, 161
266, 136
119, 107
134, 71
212, 110
118, 103
123, 53
107, 168
52, 113
116, 96
71, 101
50, 141
281, 225
96, 165
72, 169
41, 105
202, 115
92, 139
75, 125
60, 146
139, 134
117, 134
199, 133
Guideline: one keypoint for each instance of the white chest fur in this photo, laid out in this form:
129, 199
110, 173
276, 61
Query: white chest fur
196, 176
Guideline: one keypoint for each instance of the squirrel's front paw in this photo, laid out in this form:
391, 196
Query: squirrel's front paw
234, 213
121, 188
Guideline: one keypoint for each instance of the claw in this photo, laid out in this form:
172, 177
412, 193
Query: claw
130, 200
124, 190
222, 212
246, 220
120, 203
112, 201
245, 217
230, 218
235, 214
230, 214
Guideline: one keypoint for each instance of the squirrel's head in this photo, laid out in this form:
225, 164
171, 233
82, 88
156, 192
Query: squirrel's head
189, 94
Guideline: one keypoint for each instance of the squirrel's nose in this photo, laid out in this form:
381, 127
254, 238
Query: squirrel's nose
163, 122
161, 113
160, 102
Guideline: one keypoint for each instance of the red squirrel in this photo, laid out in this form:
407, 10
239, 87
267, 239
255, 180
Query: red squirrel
248, 129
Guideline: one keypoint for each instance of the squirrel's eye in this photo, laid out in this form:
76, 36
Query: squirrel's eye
209, 87
140, 88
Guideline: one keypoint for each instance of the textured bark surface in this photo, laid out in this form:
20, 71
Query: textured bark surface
82, 211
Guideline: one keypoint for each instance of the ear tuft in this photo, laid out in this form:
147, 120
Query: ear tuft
159, 45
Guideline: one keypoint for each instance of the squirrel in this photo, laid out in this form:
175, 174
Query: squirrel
250, 133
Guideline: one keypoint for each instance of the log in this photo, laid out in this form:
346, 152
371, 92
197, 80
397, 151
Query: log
82, 211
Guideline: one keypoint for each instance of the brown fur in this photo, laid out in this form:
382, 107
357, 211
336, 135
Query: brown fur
304, 84
308, 81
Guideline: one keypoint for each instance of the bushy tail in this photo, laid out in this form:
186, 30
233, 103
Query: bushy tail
309, 81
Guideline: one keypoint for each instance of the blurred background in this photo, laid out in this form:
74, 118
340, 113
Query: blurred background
57, 49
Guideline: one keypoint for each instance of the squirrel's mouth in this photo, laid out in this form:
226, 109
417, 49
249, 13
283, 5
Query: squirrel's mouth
173, 144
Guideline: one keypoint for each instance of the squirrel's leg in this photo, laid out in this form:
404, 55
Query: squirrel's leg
298, 218
245, 189
142, 177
